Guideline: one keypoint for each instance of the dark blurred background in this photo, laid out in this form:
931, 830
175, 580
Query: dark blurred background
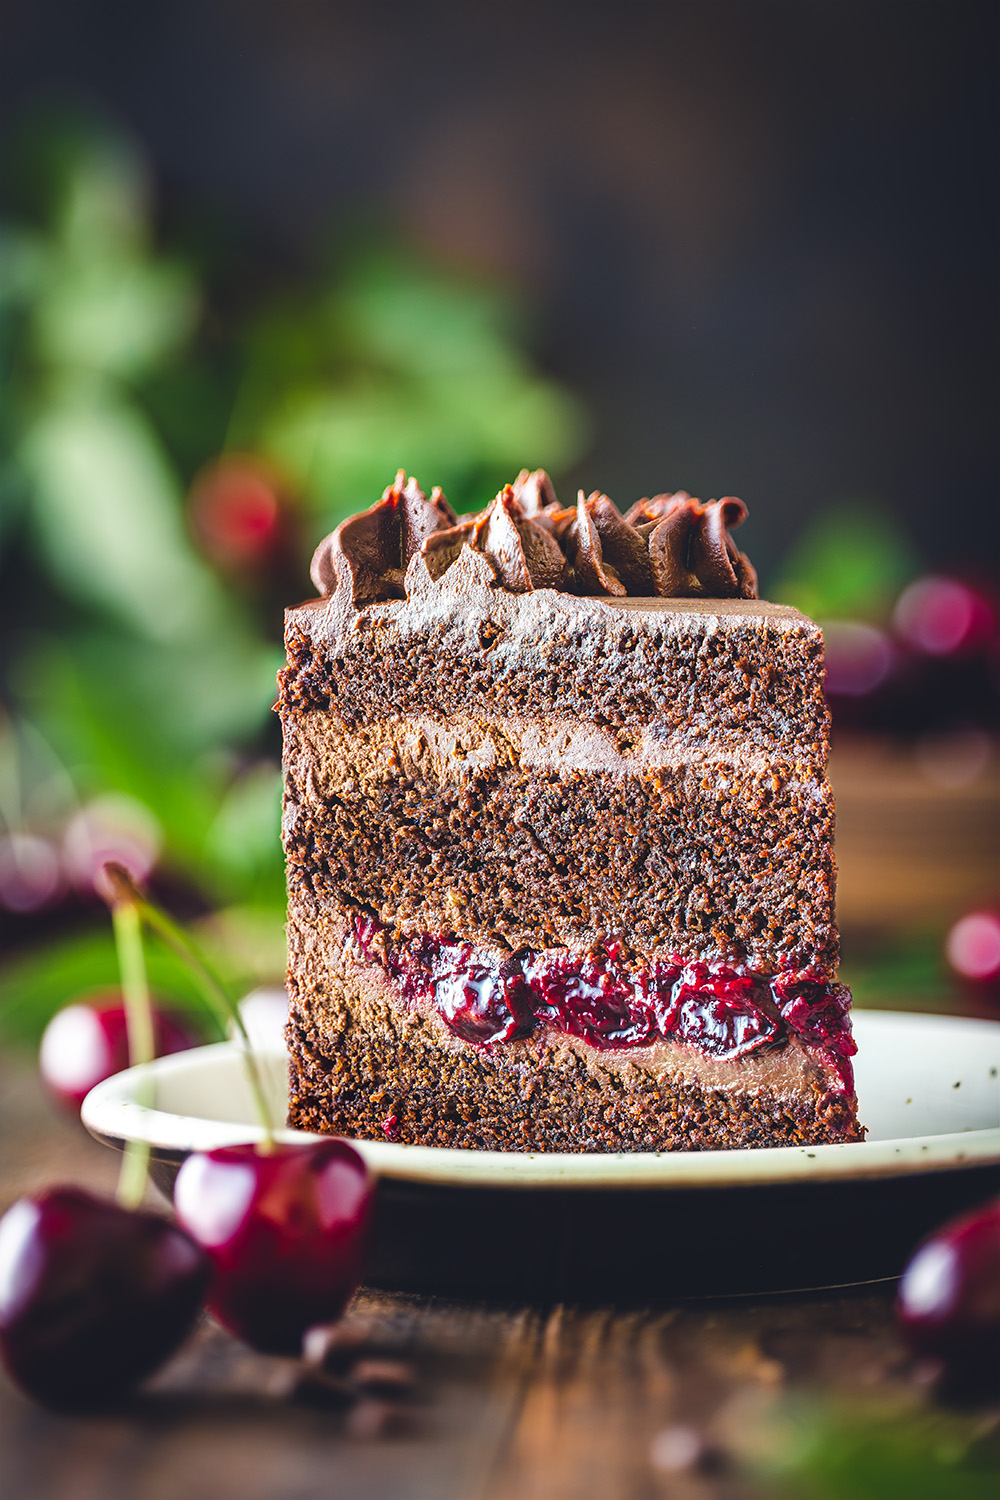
256, 256
759, 238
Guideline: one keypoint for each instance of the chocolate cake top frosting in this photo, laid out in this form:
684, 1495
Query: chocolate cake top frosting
671, 546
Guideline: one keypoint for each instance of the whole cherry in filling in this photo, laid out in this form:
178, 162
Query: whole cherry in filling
590, 996
481, 997
716, 1011
285, 1232
93, 1297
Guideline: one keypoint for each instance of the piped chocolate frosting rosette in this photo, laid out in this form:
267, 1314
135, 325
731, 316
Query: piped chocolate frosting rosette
671, 546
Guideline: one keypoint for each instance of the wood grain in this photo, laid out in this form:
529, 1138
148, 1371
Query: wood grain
527, 1403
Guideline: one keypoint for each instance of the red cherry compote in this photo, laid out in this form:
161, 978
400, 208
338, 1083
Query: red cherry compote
717, 1011
486, 996
285, 1233
480, 996
86, 1042
590, 995
93, 1297
949, 1298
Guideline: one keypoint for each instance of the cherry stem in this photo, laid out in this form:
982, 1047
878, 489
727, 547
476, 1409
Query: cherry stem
125, 893
139, 1021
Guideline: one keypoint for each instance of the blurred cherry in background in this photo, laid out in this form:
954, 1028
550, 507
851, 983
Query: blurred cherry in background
927, 667
949, 1300
944, 617
973, 950
110, 827
31, 876
87, 1041
242, 517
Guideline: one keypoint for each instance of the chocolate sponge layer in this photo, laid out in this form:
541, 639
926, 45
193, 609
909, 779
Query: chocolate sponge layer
456, 828
718, 669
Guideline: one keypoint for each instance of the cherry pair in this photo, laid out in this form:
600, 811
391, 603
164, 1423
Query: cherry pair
93, 1296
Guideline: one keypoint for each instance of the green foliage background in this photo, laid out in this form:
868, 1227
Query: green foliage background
131, 664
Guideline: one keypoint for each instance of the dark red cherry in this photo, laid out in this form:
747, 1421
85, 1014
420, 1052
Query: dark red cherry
93, 1297
590, 996
817, 1010
949, 1297
715, 1011
236, 511
86, 1042
479, 999
286, 1233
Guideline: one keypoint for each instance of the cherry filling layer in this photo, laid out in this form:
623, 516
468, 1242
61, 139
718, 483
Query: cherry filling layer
486, 997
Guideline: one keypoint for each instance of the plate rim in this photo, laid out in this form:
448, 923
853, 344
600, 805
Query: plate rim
111, 1114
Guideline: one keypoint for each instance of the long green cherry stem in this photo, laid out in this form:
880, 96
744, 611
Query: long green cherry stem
139, 1020
126, 892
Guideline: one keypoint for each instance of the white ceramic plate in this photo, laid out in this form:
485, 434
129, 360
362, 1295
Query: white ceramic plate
929, 1090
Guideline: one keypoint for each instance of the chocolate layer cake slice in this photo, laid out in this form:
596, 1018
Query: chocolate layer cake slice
559, 835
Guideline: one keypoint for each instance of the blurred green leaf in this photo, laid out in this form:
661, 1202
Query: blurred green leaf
80, 179
400, 367
343, 445
853, 1452
24, 261
34, 985
183, 698
851, 562
244, 839
107, 517
97, 299
114, 315
248, 940
410, 318
906, 970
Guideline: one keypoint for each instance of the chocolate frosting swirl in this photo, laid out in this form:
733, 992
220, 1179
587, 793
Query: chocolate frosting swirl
370, 552
672, 545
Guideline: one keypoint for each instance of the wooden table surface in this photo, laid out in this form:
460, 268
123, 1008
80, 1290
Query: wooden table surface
693, 1401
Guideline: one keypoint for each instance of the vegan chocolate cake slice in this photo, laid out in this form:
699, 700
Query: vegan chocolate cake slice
559, 836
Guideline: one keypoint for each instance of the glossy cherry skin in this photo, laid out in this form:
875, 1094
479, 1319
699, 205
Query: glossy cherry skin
93, 1297
86, 1042
286, 1234
949, 1297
